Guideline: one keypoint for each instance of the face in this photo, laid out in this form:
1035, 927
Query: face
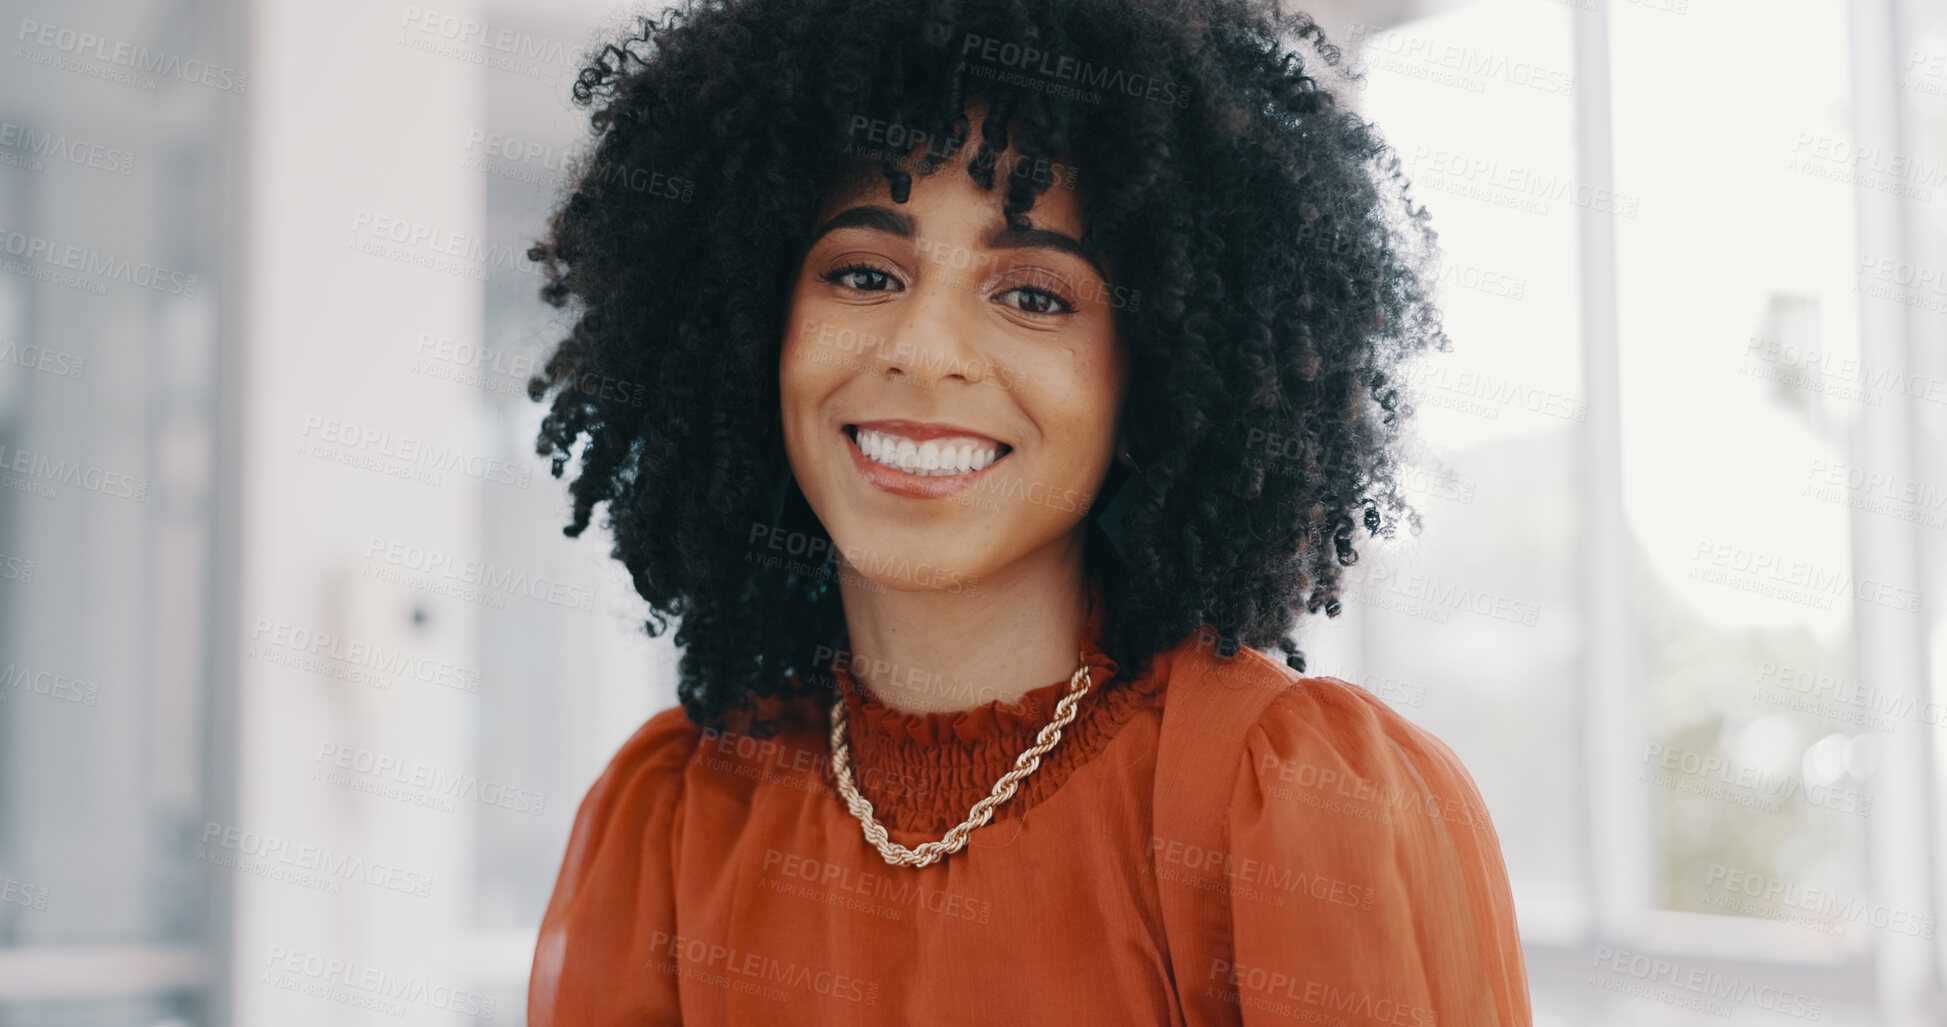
951, 388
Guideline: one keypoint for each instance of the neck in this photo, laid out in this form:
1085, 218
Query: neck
935, 651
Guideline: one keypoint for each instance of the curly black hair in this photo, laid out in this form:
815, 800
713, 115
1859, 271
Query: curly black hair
1277, 270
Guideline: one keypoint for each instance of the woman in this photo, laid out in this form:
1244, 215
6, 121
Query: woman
1013, 372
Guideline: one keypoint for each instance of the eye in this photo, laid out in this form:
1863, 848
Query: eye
863, 277
1033, 300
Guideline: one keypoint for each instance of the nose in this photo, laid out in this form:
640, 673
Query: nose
939, 327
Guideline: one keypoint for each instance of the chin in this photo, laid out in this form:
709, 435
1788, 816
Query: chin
908, 558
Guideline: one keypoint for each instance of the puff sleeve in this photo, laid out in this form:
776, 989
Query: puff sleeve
1367, 882
615, 889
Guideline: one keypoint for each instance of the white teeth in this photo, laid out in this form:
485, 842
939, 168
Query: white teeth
929, 458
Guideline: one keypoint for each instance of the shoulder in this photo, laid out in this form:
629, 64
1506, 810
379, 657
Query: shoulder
616, 873
1335, 738
1360, 853
627, 814
1321, 740
664, 741
1329, 735
646, 772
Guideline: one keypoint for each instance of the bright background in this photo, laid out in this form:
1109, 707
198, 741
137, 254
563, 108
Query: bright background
1682, 475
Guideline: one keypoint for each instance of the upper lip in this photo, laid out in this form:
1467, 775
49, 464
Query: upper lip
920, 431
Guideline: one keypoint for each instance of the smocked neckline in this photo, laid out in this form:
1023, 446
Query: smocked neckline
923, 771
994, 719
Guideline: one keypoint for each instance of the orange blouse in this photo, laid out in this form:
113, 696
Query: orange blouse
714, 877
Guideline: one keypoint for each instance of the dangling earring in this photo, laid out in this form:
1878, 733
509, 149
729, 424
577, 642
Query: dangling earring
1109, 519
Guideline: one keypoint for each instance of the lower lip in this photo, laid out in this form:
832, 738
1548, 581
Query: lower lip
912, 486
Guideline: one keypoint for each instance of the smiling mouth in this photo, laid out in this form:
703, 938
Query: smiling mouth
948, 457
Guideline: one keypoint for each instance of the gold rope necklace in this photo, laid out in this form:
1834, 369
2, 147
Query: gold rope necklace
983, 811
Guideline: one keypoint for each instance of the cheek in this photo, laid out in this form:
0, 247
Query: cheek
1072, 392
823, 343
795, 369
808, 363
803, 386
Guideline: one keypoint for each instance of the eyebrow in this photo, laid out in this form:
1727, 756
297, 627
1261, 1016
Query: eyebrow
1005, 238
1002, 237
877, 218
